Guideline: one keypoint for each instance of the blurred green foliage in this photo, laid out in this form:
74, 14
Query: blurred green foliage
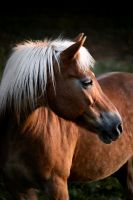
107, 189
110, 65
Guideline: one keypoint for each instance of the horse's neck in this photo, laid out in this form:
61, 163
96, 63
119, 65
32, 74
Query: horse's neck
44, 130
40, 121
43, 122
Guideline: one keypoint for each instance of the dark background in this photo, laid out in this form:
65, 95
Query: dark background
108, 26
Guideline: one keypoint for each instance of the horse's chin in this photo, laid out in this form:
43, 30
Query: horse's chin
107, 139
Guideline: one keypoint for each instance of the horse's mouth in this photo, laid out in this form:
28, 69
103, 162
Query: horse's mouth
106, 138
108, 130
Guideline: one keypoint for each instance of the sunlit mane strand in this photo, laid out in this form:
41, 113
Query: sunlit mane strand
28, 68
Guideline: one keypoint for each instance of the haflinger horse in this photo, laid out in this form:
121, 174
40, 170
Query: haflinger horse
49, 101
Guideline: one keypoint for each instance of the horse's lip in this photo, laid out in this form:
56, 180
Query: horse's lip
107, 139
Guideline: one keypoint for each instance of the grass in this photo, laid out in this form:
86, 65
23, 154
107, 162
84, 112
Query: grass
107, 189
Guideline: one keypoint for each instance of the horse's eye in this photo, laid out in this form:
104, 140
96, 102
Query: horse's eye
86, 82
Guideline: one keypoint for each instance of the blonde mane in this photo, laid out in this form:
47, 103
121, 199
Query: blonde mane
29, 66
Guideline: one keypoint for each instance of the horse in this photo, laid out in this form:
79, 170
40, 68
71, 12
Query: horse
48, 94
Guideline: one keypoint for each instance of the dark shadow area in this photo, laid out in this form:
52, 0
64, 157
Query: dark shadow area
109, 29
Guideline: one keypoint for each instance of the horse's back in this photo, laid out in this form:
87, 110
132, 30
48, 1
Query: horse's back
116, 79
117, 84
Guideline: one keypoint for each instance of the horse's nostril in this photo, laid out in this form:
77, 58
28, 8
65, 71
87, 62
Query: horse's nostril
120, 128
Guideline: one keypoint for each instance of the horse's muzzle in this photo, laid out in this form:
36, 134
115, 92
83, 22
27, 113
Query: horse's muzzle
110, 127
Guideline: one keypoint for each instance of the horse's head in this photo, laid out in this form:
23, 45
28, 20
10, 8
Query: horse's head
58, 74
78, 96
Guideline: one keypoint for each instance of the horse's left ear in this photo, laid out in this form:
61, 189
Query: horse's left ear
71, 52
78, 37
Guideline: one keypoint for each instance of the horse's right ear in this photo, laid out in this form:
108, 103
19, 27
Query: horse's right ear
71, 52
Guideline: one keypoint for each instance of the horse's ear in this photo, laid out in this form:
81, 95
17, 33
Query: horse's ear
79, 37
71, 52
